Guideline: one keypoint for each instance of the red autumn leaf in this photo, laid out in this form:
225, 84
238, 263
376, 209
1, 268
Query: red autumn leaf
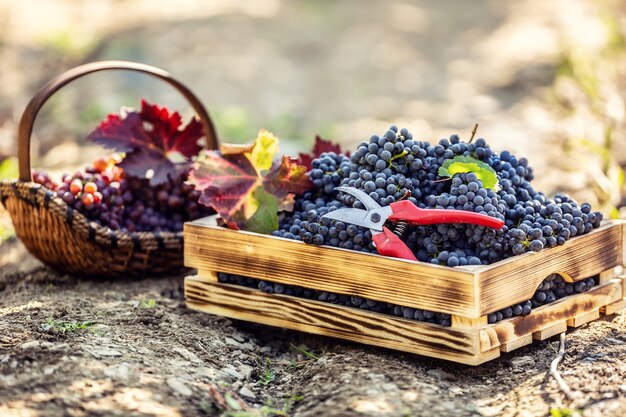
320, 146
286, 177
245, 196
152, 140
225, 181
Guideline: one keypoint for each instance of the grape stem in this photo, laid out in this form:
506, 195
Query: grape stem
407, 194
443, 179
473, 133
393, 158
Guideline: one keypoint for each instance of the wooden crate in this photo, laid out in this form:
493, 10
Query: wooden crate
469, 293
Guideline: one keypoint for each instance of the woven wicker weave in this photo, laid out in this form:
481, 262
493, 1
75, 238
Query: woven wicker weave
64, 238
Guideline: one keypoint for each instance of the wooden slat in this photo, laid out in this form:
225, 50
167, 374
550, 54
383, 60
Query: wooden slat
550, 331
511, 345
614, 307
607, 275
578, 321
207, 276
558, 312
516, 279
209, 247
459, 322
336, 321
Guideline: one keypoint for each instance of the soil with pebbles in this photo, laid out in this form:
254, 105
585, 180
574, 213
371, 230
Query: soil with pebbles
82, 347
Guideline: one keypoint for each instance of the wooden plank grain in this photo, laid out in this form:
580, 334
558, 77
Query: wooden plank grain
336, 321
516, 279
556, 314
209, 247
585, 318
552, 330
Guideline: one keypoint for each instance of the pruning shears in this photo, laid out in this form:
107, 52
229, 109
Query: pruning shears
387, 242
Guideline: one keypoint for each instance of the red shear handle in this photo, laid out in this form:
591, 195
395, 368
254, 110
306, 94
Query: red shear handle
388, 244
410, 213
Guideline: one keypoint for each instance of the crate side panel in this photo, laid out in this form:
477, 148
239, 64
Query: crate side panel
516, 279
336, 321
407, 283
557, 313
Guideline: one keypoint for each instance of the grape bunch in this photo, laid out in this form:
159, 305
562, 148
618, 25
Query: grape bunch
395, 166
105, 194
552, 288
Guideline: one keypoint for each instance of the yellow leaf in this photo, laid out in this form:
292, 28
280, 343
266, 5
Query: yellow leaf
263, 151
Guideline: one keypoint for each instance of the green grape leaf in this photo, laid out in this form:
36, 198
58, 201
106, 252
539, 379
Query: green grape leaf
461, 164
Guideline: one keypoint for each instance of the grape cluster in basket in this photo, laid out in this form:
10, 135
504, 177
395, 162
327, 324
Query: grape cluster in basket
395, 166
104, 193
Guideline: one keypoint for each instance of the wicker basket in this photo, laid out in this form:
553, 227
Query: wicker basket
64, 238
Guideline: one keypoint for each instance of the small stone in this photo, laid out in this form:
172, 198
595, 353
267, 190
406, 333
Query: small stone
410, 396
104, 352
376, 377
233, 373
522, 361
223, 376
33, 344
441, 374
101, 329
245, 371
389, 386
622, 388
49, 370
55, 347
232, 342
7, 380
190, 356
238, 337
117, 372
247, 393
178, 386
207, 372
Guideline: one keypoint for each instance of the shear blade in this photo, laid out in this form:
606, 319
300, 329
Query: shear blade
357, 217
368, 202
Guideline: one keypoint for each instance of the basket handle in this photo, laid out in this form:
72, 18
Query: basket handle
27, 120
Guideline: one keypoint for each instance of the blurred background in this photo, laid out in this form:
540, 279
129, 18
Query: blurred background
545, 80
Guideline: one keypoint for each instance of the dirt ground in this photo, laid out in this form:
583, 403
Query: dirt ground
77, 347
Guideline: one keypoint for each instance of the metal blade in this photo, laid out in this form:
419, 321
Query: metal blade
367, 201
373, 220
349, 215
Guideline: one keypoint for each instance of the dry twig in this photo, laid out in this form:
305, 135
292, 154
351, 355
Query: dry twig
571, 395
473, 132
